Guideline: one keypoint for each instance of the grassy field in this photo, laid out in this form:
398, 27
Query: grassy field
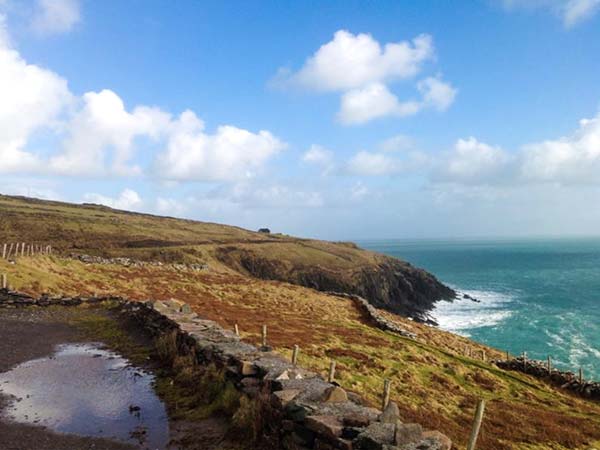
433, 382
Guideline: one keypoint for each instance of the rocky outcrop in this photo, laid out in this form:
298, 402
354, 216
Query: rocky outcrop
303, 410
385, 282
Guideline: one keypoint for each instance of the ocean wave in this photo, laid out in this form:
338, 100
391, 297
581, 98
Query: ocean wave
462, 315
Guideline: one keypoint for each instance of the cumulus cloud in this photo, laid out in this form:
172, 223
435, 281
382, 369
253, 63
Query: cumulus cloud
397, 143
571, 12
361, 68
375, 101
104, 126
33, 99
572, 159
55, 16
472, 161
128, 199
98, 136
230, 153
350, 61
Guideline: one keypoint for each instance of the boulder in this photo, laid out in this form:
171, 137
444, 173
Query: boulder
443, 441
328, 426
375, 436
391, 413
335, 394
407, 433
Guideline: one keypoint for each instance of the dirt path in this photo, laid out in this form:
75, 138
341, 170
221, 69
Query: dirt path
28, 334
32, 333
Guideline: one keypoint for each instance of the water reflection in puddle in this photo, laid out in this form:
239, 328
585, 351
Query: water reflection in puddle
85, 390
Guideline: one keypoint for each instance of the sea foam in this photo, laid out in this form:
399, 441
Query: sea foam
463, 314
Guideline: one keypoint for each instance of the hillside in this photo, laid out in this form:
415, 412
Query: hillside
97, 230
433, 380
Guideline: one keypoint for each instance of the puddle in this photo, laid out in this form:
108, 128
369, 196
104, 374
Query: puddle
85, 390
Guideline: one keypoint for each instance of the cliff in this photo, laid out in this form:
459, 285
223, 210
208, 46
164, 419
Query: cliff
386, 282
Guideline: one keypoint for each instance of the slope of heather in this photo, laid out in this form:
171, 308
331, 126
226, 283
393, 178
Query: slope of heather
433, 382
91, 229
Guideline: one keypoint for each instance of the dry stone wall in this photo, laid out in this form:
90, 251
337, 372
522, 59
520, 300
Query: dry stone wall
565, 380
306, 412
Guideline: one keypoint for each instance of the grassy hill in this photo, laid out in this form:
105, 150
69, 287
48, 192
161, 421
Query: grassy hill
433, 381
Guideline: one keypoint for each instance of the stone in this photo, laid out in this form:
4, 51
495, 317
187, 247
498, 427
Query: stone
297, 412
356, 420
335, 394
407, 433
391, 413
248, 368
185, 308
327, 425
375, 436
444, 441
282, 398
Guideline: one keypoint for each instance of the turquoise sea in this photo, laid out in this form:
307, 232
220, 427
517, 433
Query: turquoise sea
541, 296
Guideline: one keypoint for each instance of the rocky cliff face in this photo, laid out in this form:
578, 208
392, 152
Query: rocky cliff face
386, 282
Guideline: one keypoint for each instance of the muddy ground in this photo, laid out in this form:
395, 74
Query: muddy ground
31, 333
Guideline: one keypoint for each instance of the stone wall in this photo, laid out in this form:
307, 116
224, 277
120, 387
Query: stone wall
374, 316
131, 262
565, 380
306, 412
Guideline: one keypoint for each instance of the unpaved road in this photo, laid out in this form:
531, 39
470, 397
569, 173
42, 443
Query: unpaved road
27, 334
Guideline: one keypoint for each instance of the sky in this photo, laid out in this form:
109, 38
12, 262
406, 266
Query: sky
328, 119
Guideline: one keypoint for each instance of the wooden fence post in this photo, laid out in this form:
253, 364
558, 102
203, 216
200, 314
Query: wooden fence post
264, 335
580, 375
4, 282
331, 375
295, 354
507, 356
236, 329
387, 385
549, 366
476, 425
23, 249
10, 250
4, 251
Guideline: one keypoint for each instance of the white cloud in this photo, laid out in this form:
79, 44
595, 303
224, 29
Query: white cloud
55, 16
229, 154
101, 126
128, 199
568, 160
98, 136
576, 11
571, 12
32, 100
350, 61
375, 101
437, 93
373, 164
472, 161
318, 155
361, 68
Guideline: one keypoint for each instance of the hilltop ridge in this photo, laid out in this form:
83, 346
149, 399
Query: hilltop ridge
326, 266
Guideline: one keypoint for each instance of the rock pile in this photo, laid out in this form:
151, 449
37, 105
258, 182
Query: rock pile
374, 316
566, 380
307, 412
130, 262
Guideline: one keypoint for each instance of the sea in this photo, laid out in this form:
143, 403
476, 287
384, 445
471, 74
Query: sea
540, 296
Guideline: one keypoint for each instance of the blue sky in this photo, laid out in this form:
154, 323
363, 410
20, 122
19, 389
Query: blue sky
337, 119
